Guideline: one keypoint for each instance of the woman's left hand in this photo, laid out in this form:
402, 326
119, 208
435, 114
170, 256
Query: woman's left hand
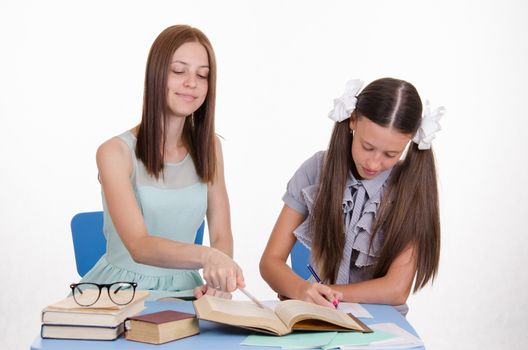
206, 289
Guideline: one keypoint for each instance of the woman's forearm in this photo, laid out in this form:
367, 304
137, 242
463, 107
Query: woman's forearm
224, 243
162, 252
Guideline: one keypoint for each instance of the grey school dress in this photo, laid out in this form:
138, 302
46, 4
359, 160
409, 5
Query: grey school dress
173, 207
361, 200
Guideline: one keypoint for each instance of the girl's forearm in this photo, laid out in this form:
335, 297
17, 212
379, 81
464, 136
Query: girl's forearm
381, 290
282, 279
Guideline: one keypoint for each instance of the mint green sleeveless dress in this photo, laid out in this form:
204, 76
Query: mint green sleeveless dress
173, 207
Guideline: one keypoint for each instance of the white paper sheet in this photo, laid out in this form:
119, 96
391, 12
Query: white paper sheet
355, 309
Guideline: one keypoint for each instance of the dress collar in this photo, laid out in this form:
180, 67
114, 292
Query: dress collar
372, 186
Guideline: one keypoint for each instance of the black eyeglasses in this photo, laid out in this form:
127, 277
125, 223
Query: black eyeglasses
87, 294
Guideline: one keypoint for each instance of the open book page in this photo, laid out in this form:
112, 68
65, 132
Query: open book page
354, 308
238, 313
104, 302
293, 311
272, 304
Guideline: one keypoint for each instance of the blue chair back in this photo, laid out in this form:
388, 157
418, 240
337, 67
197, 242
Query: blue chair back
89, 242
300, 257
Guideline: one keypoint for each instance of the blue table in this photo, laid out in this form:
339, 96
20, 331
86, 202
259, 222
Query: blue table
212, 335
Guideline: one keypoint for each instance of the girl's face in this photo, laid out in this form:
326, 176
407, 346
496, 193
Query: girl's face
375, 148
187, 79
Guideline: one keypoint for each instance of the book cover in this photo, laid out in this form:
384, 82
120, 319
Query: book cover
161, 327
288, 315
48, 331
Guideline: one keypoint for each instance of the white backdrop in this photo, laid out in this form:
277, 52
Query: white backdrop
71, 76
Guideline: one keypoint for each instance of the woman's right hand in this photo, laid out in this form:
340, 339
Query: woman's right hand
202, 290
221, 272
320, 294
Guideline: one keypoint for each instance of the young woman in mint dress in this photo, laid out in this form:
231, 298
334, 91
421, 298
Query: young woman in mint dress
161, 178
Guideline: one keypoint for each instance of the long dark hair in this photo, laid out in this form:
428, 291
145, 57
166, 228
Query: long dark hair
199, 129
408, 213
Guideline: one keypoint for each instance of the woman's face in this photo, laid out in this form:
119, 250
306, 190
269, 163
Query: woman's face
375, 148
187, 79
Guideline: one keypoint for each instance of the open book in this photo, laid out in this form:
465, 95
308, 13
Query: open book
288, 316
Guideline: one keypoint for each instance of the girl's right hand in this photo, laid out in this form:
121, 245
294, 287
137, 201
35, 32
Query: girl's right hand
221, 272
321, 294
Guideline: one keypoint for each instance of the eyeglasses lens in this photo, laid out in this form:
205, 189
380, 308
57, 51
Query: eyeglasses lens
86, 294
121, 293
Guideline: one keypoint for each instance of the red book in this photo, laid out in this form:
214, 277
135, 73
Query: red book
161, 327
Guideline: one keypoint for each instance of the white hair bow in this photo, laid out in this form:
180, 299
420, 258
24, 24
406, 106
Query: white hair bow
428, 127
344, 105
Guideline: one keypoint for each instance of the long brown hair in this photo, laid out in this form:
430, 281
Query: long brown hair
408, 213
199, 130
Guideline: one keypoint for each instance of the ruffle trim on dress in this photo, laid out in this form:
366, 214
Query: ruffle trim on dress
361, 232
105, 272
303, 232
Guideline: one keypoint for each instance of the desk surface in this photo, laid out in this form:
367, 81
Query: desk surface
212, 335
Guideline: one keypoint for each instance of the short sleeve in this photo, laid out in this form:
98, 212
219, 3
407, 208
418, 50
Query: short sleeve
307, 175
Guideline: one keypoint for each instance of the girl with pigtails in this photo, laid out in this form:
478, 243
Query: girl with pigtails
366, 208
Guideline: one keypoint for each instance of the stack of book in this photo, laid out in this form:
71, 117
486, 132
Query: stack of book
101, 321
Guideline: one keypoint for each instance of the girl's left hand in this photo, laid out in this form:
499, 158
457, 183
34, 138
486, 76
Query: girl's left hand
206, 289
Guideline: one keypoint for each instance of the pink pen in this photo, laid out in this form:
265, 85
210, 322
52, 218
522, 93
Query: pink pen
335, 302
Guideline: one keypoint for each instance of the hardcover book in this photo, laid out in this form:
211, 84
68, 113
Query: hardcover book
161, 327
81, 332
102, 314
289, 315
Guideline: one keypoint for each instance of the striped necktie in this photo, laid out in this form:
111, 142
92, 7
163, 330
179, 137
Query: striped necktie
344, 267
